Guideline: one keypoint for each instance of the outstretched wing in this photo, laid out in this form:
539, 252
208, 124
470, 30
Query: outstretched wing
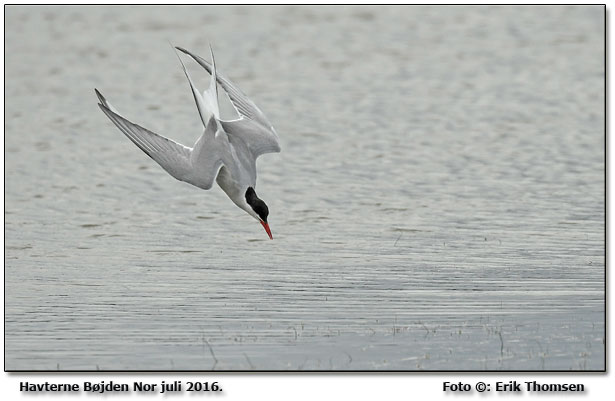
253, 128
199, 166
172, 156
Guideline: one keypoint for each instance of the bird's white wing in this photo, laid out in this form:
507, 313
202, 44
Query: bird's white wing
244, 106
172, 156
258, 140
253, 128
198, 166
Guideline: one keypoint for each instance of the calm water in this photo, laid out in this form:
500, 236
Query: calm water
438, 202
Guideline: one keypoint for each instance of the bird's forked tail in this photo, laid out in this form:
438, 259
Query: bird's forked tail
207, 104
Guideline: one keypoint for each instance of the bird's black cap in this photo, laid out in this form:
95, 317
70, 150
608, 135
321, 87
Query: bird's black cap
257, 204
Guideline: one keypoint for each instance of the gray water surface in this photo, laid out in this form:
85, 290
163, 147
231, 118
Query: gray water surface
438, 202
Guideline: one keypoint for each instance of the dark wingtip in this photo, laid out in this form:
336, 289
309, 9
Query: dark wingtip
99, 95
181, 49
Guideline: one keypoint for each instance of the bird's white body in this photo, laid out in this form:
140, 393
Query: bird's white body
226, 151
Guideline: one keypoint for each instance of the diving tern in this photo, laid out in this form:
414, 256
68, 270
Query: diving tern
225, 152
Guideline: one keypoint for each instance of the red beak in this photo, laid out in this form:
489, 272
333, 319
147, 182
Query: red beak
266, 227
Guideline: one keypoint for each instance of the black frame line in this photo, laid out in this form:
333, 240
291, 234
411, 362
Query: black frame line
378, 372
